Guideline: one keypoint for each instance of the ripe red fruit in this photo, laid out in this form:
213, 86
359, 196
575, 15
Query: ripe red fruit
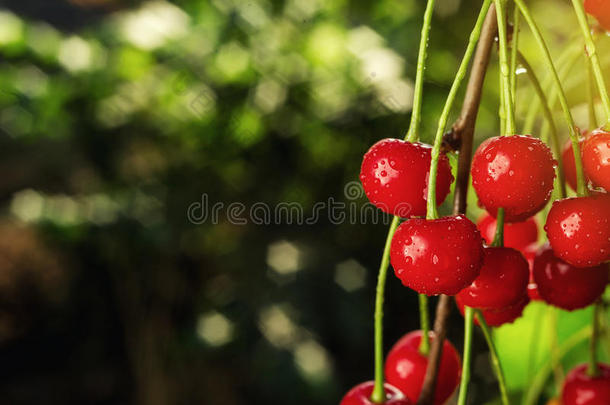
515, 173
497, 317
569, 164
596, 157
439, 256
600, 9
518, 235
565, 286
394, 175
579, 229
361, 395
502, 282
581, 389
405, 368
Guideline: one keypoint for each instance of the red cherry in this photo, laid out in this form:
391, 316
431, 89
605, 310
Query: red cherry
565, 286
518, 235
569, 164
361, 395
502, 282
394, 175
581, 389
439, 256
596, 157
579, 229
405, 368
497, 317
515, 173
600, 9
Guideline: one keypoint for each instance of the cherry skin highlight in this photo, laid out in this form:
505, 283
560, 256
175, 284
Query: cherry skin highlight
596, 157
440, 256
518, 235
498, 317
515, 173
600, 9
405, 368
569, 164
579, 229
502, 282
581, 389
394, 175
565, 286
361, 395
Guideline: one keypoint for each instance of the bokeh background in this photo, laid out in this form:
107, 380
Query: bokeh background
122, 123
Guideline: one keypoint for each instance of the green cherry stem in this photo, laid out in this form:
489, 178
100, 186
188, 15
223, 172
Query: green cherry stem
507, 97
413, 133
513, 54
468, 318
432, 211
495, 360
413, 136
507, 106
501, 108
593, 57
525, 11
546, 108
499, 235
592, 368
424, 346
591, 96
378, 395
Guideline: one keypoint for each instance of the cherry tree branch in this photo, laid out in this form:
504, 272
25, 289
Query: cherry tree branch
461, 134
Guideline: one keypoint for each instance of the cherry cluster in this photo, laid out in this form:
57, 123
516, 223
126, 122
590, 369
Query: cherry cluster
495, 267
453, 256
